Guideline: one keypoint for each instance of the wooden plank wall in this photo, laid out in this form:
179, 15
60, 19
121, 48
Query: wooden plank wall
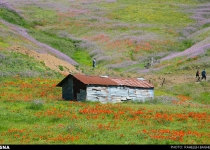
116, 94
67, 90
139, 94
97, 93
81, 96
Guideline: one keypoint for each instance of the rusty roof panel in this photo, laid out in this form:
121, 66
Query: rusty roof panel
103, 80
86, 79
133, 82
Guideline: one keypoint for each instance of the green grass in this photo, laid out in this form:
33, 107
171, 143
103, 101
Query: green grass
185, 45
41, 121
155, 13
47, 23
12, 17
38, 16
141, 65
3, 43
197, 91
84, 60
6, 37
161, 18
13, 63
45, 17
65, 45
38, 115
204, 97
201, 36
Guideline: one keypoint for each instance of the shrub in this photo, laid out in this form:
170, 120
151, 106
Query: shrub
61, 68
36, 105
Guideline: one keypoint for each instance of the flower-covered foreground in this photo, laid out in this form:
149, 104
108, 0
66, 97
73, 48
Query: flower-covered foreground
32, 112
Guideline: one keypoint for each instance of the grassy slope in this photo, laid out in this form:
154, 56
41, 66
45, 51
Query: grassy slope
123, 38
48, 26
80, 24
140, 30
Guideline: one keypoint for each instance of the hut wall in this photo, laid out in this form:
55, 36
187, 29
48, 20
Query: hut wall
81, 95
140, 94
116, 94
67, 89
97, 93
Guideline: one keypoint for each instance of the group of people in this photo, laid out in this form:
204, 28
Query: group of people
203, 75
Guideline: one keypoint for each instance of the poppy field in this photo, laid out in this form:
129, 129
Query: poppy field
33, 112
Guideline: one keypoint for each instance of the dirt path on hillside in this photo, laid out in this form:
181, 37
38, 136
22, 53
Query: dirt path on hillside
49, 60
44, 47
54, 63
169, 80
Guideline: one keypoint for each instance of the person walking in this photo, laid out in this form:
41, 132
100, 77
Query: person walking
203, 73
197, 75
94, 62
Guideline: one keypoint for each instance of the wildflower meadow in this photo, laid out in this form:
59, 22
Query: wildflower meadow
34, 113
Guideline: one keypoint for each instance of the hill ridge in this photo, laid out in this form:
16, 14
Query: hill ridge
45, 48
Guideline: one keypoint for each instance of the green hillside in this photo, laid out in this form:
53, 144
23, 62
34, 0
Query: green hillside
121, 35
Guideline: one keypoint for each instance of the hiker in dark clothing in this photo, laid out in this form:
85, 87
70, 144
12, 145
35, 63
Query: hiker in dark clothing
197, 75
203, 73
94, 62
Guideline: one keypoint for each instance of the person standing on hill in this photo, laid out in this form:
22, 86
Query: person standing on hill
203, 73
197, 75
94, 62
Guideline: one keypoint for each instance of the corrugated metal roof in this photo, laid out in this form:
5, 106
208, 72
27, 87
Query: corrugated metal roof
103, 80
132, 82
86, 79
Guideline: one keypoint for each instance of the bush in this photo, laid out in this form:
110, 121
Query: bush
36, 105
61, 68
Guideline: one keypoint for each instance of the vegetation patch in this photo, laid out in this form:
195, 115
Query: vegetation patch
19, 64
12, 17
